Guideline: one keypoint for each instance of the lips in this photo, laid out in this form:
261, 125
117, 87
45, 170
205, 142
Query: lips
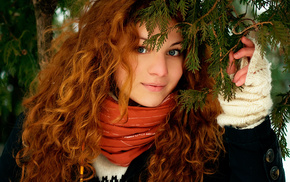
154, 87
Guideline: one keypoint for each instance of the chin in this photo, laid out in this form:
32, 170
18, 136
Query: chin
149, 102
152, 104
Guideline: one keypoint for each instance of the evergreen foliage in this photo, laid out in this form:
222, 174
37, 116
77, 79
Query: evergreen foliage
193, 99
217, 23
18, 59
279, 115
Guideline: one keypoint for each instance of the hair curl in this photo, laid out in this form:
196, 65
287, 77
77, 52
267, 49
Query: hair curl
189, 144
63, 113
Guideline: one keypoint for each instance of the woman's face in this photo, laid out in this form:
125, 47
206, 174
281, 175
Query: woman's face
156, 73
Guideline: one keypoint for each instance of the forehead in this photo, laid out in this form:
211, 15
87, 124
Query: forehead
143, 33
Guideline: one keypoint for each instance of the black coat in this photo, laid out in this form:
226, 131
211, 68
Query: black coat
252, 155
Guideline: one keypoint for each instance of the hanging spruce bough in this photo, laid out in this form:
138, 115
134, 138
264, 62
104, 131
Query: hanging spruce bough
217, 24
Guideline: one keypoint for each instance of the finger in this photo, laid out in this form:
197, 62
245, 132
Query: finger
231, 69
247, 42
241, 81
240, 73
244, 52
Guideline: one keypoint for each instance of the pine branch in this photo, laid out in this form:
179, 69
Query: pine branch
213, 7
280, 116
216, 23
198, 97
255, 25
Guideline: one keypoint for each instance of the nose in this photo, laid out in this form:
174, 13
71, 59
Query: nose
158, 65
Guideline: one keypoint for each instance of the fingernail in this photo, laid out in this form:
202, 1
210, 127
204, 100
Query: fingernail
238, 84
236, 55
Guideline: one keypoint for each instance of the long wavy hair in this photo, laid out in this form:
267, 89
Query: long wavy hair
190, 143
62, 130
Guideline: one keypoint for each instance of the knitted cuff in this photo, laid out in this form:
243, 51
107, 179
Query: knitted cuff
251, 104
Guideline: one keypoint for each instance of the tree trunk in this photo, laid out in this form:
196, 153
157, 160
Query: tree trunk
44, 10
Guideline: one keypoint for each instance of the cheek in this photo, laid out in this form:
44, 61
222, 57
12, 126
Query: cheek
176, 71
120, 76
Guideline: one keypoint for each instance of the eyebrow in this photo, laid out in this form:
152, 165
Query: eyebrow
176, 43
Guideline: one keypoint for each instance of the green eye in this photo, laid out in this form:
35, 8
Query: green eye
174, 52
142, 50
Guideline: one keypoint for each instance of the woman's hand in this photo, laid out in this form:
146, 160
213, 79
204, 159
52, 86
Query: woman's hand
247, 51
253, 103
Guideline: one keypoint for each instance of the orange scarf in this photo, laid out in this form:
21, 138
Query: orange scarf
124, 141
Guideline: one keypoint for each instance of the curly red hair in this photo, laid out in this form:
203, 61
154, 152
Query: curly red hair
62, 115
190, 143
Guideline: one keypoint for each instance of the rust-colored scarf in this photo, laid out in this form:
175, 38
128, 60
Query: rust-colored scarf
124, 141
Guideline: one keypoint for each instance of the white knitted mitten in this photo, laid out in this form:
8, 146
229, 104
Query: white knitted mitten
250, 106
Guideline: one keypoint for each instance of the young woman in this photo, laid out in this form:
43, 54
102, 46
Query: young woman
105, 109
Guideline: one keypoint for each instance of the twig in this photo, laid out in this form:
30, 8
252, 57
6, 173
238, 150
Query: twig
212, 8
286, 100
221, 70
233, 47
234, 9
254, 25
214, 32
